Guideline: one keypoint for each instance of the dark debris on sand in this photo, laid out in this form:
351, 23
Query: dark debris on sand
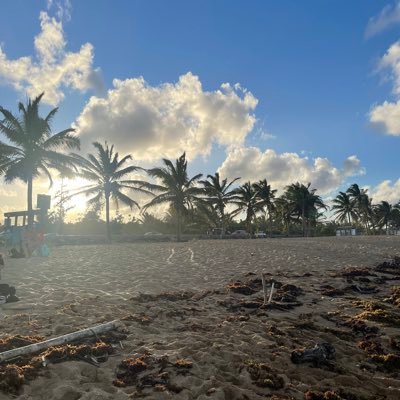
146, 371
25, 368
331, 395
263, 375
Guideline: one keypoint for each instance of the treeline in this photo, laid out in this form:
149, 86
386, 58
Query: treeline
193, 204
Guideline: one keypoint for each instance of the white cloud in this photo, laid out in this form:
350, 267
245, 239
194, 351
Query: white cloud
53, 69
250, 163
386, 190
263, 135
386, 116
63, 8
162, 121
389, 16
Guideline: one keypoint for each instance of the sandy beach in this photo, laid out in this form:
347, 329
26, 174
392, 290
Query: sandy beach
233, 348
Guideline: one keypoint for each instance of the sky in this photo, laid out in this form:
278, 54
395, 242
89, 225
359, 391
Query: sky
285, 90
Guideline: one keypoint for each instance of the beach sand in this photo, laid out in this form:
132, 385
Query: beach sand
236, 350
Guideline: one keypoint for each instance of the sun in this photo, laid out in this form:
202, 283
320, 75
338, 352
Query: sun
70, 186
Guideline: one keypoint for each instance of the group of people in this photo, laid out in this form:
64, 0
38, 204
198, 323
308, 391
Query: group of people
26, 241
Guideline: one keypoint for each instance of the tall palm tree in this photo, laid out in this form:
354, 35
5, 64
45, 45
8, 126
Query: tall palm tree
386, 213
304, 201
219, 194
175, 188
344, 207
396, 215
110, 178
33, 148
284, 211
246, 201
362, 203
265, 199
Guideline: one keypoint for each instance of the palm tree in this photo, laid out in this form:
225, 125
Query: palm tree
110, 178
385, 213
362, 203
345, 208
33, 148
246, 201
305, 203
265, 197
284, 210
176, 188
220, 194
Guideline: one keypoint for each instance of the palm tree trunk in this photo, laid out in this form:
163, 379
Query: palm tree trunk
303, 222
348, 217
107, 195
179, 227
269, 224
30, 195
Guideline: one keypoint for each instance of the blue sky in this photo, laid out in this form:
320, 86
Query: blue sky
311, 65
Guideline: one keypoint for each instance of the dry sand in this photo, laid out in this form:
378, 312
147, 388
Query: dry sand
80, 286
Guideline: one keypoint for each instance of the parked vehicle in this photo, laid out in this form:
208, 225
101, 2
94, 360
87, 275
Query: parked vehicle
259, 235
240, 234
152, 234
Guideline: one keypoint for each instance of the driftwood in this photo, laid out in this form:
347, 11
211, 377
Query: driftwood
69, 337
264, 288
264, 285
272, 292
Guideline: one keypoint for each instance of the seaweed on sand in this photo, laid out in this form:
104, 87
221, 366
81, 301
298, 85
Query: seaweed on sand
391, 266
284, 298
288, 293
330, 395
330, 291
96, 353
374, 311
14, 376
264, 376
394, 343
355, 271
10, 342
371, 347
387, 362
360, 327
395, 297
146, 371
169, 296
139, 317
240, 287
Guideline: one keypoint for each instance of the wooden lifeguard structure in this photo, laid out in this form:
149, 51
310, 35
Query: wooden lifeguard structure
20, 218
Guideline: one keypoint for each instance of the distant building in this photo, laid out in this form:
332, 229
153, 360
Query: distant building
346, 231
393, 231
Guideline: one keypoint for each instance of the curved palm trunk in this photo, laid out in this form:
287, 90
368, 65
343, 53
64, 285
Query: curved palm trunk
179, 226
348, 217
269, 223
30, 195
107, 195
248, 222
222, 222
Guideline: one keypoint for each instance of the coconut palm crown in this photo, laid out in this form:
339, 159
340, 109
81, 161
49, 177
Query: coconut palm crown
175, 188
344, 208
32, 149
305, 203
265, 199
220, 194
110, 178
